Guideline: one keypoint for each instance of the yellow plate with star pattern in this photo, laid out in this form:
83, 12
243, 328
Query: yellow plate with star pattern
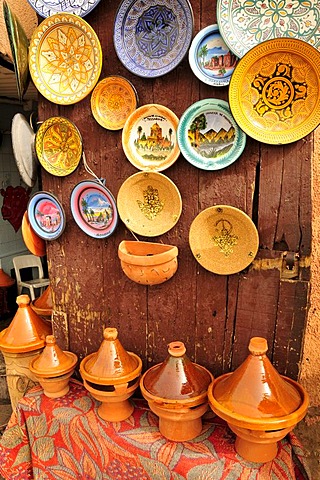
274, 91
58, 146
65, 58
149, 203
223, 239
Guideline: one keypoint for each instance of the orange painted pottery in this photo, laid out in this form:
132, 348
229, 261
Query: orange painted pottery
260, 405
111, 375
5, 279
148, 263
35, 244
176, 391
53, 368
43, 304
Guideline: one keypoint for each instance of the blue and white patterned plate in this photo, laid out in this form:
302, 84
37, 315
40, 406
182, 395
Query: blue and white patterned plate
210, 59
45, 8
152, 38
208, 135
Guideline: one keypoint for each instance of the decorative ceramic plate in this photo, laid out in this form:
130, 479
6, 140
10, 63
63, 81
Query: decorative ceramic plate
223, 239
45, 8
22, 137
210, 59
208, 135
149, 138
19, 49
149, 203
245, 24
274, 92
46, 215
35, 244
94, 209
152, 38
65, 58
112, 101
58, 146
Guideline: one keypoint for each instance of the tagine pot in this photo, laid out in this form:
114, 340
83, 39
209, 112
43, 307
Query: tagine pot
53, 368
148, 263
20, 342
43, 304
111, 375
176, 391
260, 406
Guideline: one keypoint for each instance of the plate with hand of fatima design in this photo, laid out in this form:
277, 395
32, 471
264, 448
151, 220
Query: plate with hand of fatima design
58, 146
46, 215
65, 58
152, 38
244, 24
223, 239
149, 138
45, 8
208, 135
149, 203
112, 101
274, 91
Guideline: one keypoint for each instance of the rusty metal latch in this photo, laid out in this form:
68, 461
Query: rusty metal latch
290, 265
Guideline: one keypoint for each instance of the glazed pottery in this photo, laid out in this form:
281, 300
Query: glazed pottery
43, 304
148, 263
176, 391
5, 279
111, 375
53, 368
260, 405
20, 342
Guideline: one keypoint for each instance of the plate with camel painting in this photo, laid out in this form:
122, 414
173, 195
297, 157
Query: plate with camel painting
210, 59
94, 208
208, 136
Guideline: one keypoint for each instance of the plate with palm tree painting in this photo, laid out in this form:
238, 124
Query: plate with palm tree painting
210, 59
94, 208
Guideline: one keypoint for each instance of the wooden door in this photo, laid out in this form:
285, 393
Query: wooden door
214, 315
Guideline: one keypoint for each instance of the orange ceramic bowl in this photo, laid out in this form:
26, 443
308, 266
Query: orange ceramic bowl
35, 244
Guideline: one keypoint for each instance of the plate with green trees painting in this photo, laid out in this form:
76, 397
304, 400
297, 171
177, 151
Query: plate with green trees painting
208, 135
94, 208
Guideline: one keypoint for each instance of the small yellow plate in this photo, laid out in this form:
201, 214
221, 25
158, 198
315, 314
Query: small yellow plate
149, 203
274, 91
112, 101
65, 58
223, 239
58, 146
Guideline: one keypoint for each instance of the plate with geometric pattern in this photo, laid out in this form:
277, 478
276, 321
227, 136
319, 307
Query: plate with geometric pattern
45, 8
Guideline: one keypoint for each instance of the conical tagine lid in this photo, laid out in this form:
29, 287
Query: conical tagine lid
26, 332
5, 279
43, 304
255, 389
53, 361
111, 360
177, 377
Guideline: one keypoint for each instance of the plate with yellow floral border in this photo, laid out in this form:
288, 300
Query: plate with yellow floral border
65, 58
274, 91
58, 146
223, 239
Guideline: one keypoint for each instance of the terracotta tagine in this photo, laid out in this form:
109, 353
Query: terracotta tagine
53, 368
111, 375
176, 391
148, 263
43, 304
20, 342
260, 406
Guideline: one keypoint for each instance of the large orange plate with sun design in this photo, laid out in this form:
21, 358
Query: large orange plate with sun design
274, 92
65, 58
58, 146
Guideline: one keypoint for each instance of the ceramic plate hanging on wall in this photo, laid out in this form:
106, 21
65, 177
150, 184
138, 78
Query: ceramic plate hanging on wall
152, 38
210, 59
45, 8
149, 203
274, 92
65, 58
223, 239
208, 135
22, 136
112, 101
58, 146
35, 244
149, 138
46, 215
94, 209
244, 24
